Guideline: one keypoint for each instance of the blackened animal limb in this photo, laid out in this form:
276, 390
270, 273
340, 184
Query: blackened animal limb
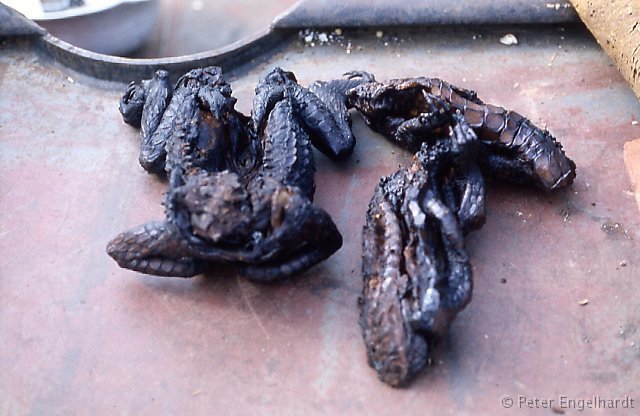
394, 350
153, 151
415, 131
327, 132
301, 262
263, 103
155, 248
459, 283
466, 197
143, 105
505, 133
287, 150
132, 103
436, 159
160, 153
466, 178
270, 90
333, 96
158, 93
295, 222
153, 147
215, 101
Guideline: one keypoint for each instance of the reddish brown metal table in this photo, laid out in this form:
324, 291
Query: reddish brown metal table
78, 335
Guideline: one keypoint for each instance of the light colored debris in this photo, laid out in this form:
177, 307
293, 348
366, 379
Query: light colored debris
509, 39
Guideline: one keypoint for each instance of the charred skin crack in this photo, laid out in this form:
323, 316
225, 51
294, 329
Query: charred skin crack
236, 194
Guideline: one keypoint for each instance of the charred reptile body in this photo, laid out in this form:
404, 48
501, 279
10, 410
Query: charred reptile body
236, 194
155, 106
515, 149
416, 271
241, 190
417, 275
321, 108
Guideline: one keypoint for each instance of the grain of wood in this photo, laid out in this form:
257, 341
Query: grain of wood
616, 26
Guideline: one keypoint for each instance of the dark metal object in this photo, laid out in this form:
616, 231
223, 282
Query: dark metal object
304, 14
363, 13
113, 68
124, 69
69, 171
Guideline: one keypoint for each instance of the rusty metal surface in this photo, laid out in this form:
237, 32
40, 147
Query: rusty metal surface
78, 335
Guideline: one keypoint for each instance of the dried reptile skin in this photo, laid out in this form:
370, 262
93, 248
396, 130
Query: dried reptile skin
240, 189
515, 149
416, 271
